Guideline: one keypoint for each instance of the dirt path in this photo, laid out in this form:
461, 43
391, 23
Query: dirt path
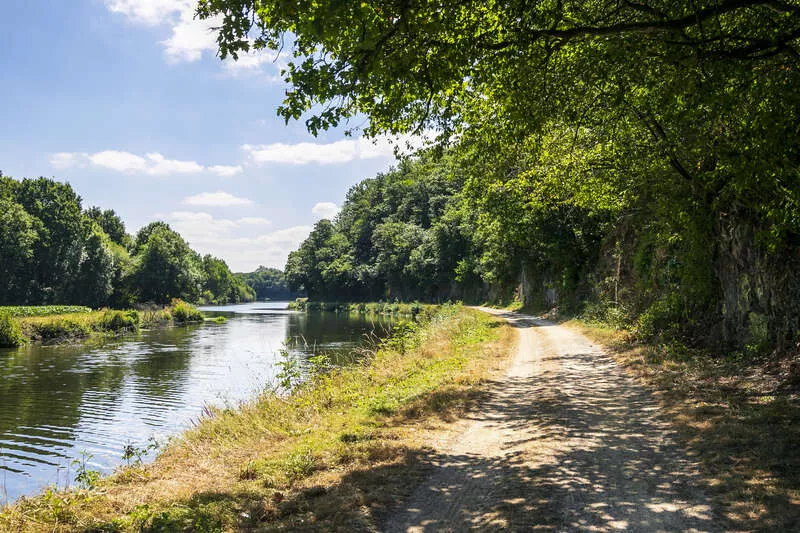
567, 442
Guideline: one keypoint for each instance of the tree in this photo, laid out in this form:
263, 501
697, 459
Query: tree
111, 224
269, 283
221, 285
408, 65
19, 233
58, 251
98, 271
165, 267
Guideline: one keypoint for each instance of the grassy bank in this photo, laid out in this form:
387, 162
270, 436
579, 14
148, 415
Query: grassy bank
73, 326
362, 308
331, 456
58, 324
740, 417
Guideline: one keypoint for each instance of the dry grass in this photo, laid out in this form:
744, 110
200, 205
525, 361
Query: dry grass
740, 418
333, 456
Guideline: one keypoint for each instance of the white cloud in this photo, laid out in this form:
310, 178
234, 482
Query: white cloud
225, 171
254, 221
252, 60
216, 199
120, 161
161, 166
330, 153
325, 210
67, 159
191, 37
149, 12
153, 163
230, 239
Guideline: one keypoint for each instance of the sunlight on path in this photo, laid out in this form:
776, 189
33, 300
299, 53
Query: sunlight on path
567, 442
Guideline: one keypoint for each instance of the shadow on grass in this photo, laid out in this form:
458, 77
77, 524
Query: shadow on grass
748, 443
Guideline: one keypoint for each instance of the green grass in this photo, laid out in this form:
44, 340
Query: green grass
44, 324
75, 326
331, 456
43, 310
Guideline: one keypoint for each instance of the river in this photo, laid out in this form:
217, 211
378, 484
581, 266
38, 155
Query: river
57, 402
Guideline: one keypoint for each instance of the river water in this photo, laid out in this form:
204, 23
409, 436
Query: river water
58, 402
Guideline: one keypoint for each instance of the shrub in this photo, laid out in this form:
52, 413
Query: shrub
183, 312
118, 320
10, 334
61, 328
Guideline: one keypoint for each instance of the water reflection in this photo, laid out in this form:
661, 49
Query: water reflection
56, 401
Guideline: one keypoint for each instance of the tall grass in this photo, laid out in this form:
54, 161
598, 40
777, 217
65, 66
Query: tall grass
10, 334
73, 326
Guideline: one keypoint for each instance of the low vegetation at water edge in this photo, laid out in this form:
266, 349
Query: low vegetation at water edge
46, 324
42, 310
334, 454
362, 308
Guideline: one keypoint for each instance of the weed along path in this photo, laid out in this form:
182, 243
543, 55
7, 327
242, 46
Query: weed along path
566, 442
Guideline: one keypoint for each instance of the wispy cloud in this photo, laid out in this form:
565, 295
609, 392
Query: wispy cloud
68, 159
229, 239
225, 171
190, 38
216, 199
149, 12
254, 221
343, 151
153, 163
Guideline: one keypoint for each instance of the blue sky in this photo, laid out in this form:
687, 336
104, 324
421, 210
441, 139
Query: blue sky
126, 100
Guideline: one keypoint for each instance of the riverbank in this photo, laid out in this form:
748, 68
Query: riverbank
64, 324
740, 417
333, 455
362, 308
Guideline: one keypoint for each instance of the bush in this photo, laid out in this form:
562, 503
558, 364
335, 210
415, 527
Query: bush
183, 312
10, 334
118, 321
61, 328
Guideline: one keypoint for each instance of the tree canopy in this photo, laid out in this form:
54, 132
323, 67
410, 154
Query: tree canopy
646, 150
53, 251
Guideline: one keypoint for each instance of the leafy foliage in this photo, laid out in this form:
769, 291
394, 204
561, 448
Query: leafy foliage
10, 334
655, 140
52, 251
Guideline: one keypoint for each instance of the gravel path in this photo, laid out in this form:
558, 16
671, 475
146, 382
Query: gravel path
567, 442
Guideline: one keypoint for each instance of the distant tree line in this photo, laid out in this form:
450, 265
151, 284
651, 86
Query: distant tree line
53, 251
269, 284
